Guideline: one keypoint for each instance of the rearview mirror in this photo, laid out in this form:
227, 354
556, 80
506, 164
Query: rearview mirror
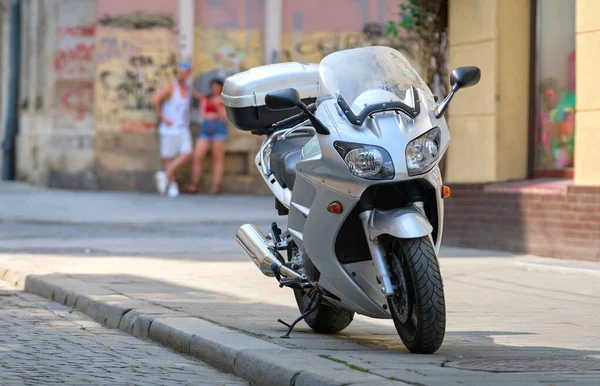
285, 99
461, 77
464, 77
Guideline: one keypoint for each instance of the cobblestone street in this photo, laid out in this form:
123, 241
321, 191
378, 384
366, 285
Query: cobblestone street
42, 343
511, 319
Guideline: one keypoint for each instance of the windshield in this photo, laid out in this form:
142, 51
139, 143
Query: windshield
370, 75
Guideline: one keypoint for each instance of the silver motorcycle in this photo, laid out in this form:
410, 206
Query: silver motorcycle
351, 155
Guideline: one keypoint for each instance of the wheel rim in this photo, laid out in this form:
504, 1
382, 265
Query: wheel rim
402, 303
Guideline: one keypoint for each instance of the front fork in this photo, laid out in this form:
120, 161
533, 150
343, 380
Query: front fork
403, 223
378, 255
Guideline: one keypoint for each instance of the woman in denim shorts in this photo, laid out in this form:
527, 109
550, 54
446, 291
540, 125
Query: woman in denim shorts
212, 136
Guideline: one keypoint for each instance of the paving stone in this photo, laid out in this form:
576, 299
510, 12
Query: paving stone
495, 310
37, 347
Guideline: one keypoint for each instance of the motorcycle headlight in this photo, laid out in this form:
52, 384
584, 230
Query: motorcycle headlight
366, 161
422, 152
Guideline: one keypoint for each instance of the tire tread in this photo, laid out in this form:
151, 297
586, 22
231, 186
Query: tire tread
429, 296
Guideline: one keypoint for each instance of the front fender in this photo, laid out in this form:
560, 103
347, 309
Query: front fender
403, 223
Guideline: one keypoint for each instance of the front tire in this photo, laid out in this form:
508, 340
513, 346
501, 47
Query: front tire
418, 306
325, 319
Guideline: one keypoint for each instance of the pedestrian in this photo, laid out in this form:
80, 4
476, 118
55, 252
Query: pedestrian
213, 136
173, 103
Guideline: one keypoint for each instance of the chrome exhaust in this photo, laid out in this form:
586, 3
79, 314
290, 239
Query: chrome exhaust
257, 248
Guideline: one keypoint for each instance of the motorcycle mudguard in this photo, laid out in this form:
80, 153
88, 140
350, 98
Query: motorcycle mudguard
403, 223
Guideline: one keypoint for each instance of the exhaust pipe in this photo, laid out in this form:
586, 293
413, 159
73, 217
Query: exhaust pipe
256, 246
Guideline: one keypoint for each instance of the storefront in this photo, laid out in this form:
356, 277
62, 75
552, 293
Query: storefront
523, 162
554, 92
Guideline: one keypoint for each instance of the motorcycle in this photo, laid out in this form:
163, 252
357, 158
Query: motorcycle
351, 155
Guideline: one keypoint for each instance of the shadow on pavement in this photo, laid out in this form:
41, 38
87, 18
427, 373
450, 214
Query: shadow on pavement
257, 316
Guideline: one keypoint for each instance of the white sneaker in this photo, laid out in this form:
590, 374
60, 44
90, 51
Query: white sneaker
161, 182
173, 190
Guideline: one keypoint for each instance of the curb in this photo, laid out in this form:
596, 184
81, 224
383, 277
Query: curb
255, 360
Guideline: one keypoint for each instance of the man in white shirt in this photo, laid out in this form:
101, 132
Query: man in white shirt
173, 104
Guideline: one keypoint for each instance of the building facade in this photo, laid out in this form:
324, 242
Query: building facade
523, 160
90, 67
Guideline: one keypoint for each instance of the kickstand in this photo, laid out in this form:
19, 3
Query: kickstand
310, 308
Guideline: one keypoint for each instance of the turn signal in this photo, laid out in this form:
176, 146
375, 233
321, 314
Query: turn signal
335, 208
445, 191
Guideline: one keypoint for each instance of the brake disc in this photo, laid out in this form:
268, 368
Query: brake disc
400, 300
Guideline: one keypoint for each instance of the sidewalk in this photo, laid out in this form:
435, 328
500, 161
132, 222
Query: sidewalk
24, 203
512, 323
224, 312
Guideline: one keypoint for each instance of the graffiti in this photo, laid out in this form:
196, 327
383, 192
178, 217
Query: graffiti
109, 48
322, 46
134, 87
85, 31
230, 58
138, 20
74, 69
317, 45
76, 99
309, 36
228, 38
141, 61
76, 59
221, 53
132, 66
132, 125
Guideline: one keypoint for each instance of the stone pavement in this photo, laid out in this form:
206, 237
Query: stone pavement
496, 310
43, 342
530, 320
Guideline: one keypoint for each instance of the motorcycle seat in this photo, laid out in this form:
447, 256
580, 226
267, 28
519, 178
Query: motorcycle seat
285, 154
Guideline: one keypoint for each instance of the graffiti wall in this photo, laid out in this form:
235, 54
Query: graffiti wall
228, 38
136, 54
74, 65
308, 36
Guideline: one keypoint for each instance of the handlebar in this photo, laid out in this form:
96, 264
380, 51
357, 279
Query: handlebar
293, 120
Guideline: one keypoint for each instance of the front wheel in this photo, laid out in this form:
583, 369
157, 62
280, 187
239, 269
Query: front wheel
417, 306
